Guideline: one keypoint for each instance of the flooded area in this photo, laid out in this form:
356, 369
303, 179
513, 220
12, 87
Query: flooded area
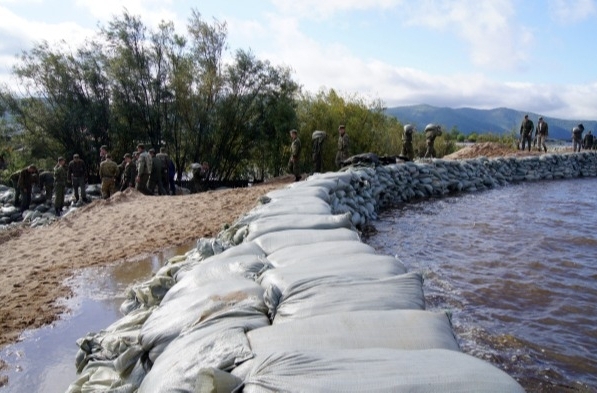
44, 360
516, 268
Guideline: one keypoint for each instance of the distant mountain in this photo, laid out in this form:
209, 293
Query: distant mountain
468, 120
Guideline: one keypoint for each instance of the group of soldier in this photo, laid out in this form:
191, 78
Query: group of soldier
432, 131
148, 172
542, 131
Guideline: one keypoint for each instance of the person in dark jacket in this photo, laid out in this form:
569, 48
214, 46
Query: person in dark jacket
25, 185
77, 175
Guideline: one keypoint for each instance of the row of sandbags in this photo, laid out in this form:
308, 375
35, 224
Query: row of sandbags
300, 303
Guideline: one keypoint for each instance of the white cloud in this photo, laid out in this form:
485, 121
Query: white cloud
566, 12
321, 9
151, 11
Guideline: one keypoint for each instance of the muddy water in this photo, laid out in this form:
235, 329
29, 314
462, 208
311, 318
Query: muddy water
517, 267
44, 361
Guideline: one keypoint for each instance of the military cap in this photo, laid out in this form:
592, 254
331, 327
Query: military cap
75, 155
293, 131
61, 158
140, 145
341, 126
104, 147
128, 155
152, 150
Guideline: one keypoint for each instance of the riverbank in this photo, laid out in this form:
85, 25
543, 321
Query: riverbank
34, 262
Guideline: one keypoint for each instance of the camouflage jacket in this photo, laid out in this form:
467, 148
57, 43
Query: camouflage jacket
108, 169
60, 175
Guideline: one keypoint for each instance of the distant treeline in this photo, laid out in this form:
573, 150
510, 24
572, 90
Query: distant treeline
131, 84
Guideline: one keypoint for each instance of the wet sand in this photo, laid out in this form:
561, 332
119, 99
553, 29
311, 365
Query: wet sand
34, 262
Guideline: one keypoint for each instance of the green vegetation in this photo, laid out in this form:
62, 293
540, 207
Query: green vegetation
130, 84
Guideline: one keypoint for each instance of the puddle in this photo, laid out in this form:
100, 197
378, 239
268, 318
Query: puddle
44, 361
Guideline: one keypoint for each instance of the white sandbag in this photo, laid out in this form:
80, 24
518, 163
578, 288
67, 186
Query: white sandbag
192, 307
356, 266
296, 254
275, 241
219, 269
394, 329
378, 370
285, 193
297, 221
330, 295
181, 367
304, 205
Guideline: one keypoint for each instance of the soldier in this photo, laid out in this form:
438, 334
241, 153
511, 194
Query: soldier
77, 175
46, 180
432, 131
14, 180
128, 174
103, 153
171, 175
25, 184
108, 172
526, 132
542, 132
343, 142
407, 141
165, 160
60, 176
294, 166
577, 137
143, 169
318, 138
155, 175
588, 141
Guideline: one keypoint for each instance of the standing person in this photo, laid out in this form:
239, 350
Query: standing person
588, 141
432, 131
526, 132
143, 169
407, 142
77, 175
165, 160
318, 138
343, 146
294, 166
25, 184
60, 176
108, 171
155, 175
46, 180
577, 137
171, 175
103, 153
542, 132
128, 174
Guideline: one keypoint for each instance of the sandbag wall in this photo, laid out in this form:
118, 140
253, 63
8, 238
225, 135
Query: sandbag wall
289, 299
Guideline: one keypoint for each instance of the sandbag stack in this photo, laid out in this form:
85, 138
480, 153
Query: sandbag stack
289, 298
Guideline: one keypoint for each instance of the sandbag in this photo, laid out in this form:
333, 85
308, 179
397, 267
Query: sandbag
356, 266
274, 241
329, 295
227, 298
285, 193
379, 370
394, 329
297, 221
181, 367
290, 205
296, 254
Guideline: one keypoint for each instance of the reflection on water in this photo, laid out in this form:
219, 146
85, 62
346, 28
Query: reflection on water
44, 361
516, 267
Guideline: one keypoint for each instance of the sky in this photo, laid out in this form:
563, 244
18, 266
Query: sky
528, 55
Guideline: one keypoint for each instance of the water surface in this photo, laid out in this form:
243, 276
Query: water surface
517, 268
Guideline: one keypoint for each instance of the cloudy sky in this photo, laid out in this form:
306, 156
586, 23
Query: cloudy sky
532, 55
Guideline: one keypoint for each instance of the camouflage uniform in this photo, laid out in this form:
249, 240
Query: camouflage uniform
294, 166
342, 153
432, 131
77, 175
108, 172
407, 142
128, 176
25, 184
155, 177
143, 171
46, 180
526, 132
14, 182
59, 187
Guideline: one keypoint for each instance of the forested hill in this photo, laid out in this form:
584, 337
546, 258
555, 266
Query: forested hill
468, 120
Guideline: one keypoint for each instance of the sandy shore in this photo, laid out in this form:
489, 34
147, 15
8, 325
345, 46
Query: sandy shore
35, 262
